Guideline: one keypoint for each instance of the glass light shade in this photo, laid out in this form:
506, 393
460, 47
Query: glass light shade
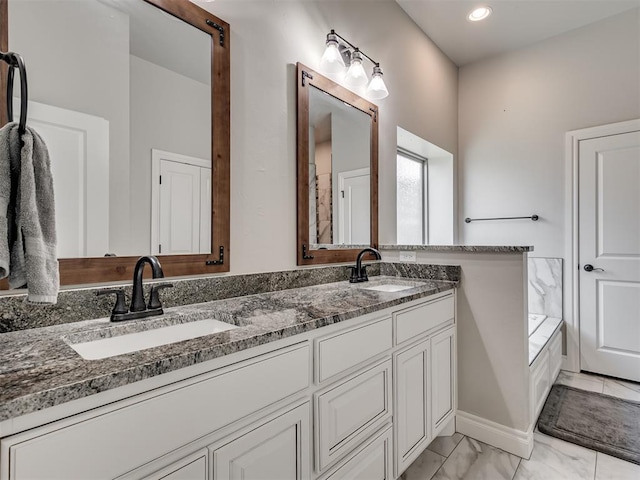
377, 90
332, 61
356, 76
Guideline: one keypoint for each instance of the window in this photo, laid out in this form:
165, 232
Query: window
411, 198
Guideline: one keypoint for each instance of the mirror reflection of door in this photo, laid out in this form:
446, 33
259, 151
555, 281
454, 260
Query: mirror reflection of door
180, 204
339, 179
354, 207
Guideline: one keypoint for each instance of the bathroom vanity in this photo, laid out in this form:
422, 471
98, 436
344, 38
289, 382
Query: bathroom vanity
332, 381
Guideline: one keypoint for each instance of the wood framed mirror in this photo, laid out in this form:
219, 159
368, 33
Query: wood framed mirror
170, 109
337, 171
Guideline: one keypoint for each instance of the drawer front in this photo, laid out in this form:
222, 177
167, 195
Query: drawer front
339, 352
540, 384
350, 411
372, 462
555, 356
119, 440
194, 467
417, 320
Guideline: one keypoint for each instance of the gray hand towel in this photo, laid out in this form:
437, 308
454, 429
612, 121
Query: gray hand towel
27, 216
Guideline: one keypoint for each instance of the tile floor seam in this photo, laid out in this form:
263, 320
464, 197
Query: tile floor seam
515, 472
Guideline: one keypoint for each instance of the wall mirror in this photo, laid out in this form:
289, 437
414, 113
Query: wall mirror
132, 98
337, 171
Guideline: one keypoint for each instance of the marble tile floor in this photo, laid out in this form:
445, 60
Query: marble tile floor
459, 457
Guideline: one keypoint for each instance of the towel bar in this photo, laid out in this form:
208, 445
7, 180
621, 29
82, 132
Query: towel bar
532, 217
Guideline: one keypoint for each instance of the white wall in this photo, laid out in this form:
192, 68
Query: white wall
267, 39
159, 120
46, 34
514, 110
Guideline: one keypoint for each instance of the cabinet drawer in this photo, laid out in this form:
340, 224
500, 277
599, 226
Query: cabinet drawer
193, 467
370, 462
350, 411
116, 439
417, 320
555, 356
339, 352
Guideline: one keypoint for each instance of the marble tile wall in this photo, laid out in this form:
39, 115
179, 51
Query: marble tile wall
545, 286
325, 209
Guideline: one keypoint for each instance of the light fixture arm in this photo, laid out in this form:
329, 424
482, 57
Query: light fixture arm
344, 40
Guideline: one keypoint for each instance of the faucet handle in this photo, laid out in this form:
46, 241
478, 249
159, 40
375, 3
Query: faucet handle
355, 275
120, 306
362, 274
154, 296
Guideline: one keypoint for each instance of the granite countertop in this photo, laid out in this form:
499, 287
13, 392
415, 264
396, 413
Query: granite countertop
460, 248
40, 369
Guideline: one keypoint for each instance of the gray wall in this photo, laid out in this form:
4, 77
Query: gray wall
514, 112
162, 125
267, 39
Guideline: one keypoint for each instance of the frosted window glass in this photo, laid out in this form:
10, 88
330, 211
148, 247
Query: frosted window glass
410, 205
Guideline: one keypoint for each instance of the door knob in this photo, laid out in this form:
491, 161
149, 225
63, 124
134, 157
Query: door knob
589, 268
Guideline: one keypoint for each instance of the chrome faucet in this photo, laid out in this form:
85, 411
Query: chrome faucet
359, 272
138, 308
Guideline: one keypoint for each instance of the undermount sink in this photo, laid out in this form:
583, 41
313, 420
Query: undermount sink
389, 287
133, 342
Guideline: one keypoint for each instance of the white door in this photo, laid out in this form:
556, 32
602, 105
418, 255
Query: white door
354, 204
609, 255
78, 146
179, 208
180, 204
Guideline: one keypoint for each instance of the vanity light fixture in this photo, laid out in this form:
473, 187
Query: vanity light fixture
479, 13
341, 53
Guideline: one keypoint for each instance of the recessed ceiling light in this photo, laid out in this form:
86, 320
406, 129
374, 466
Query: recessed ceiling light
479, 13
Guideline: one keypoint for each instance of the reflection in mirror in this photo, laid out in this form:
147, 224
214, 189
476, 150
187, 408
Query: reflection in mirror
125, 90
337, 171
124, 98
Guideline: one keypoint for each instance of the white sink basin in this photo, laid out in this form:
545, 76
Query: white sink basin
132, 342
389, 287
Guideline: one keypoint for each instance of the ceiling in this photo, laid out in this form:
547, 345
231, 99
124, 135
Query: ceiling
514, 23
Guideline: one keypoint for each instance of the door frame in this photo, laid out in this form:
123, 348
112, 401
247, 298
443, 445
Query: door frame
571, 291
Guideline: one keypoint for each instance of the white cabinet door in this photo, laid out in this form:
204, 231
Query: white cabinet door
411, 424
442, 378
276, 450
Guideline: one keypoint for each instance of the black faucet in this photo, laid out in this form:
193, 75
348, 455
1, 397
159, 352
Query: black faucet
138, 308
137, 297
359, 272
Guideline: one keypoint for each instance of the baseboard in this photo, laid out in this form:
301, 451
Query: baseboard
510, 440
